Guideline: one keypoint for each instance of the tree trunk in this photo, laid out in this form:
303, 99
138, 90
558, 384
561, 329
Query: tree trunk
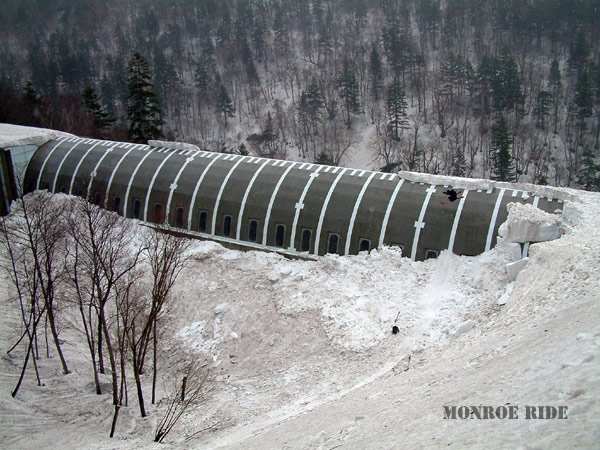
52, 321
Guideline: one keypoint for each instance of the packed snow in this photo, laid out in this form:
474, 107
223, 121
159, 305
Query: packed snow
303, 356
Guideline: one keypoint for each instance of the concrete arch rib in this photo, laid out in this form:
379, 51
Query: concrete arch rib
94, 172
48, 156
355, 212
173, 186
220, 194
162, 163
112, 175
419, 224
76, 171
272, 200
62, 161
388, 211
245, 198
492, 227
457, 219
135, 171
193, 200
324, 210
300, 205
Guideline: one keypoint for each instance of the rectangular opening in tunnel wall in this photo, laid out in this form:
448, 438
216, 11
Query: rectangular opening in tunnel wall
157, 215
279, 235
431, 254
202, 220
364, 245
332, 242
137, 205
305, 239
179, 218
252, 230
116, 204
227, 225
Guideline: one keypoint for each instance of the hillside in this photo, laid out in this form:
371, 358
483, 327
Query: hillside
434, 86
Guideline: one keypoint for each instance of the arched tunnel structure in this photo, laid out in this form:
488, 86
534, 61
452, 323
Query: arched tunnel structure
296, 208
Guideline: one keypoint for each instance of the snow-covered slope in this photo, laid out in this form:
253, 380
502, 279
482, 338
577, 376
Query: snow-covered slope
303, 355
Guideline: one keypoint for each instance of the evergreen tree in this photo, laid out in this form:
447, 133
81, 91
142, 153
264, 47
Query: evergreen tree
459, 163
324, 158
93, 104
506, 84
143, 111
376, 72
555, 85
584, 98
348, 90
503, 168
268, 132
224, 105
589, 174
542, 108
314, 103
396, 105
579, 52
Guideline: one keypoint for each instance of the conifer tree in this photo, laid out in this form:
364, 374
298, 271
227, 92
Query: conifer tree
459, 163
224, 105
376, 72
314, 103
348, 90
589, 174
555, 85
143, 111
396, 105
503, 168
93, 104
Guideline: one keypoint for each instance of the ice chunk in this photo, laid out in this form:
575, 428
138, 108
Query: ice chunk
526, 223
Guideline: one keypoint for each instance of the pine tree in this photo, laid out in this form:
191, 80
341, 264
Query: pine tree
589, 174
268, 132
93, 104
396, 105
314, 103
348, 90
143, 111
503, 168
555, 85
584, 98
459, 163
506, 84
224, 105
542, 108
376, 72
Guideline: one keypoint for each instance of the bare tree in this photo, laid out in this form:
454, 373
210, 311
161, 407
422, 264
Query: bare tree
33, 237
166, 255
194, 390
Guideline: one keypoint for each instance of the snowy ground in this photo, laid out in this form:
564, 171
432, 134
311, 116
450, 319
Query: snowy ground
303, 356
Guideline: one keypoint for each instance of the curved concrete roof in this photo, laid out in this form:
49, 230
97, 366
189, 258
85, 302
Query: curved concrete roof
291, 207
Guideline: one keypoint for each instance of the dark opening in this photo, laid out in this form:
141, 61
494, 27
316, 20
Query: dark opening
227, 225
279, 235
97, 198
63, 189
252, 230
202, 221
157, 213
431, 254
364, 245
136, 208
116, 204
179, 218
305, 240
332, 243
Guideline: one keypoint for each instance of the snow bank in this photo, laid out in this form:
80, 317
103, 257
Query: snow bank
17, 135
526, 223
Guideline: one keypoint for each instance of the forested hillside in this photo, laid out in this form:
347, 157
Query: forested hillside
501, 89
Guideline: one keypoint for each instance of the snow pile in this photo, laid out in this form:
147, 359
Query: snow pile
303, 355
17, 135
526, 223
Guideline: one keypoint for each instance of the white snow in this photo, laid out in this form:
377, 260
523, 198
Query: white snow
526, 223
303, 356
17, 135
